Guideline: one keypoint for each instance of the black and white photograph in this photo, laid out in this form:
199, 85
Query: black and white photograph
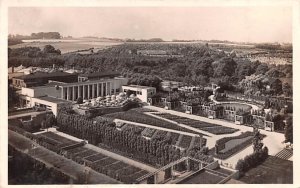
141, 94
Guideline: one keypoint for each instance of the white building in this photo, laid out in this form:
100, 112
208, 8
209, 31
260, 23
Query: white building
54, 93
141, 92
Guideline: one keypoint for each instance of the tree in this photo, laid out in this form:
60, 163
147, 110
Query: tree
288, 130
262, 69
49, 122
79, 100
48, 49
257, 144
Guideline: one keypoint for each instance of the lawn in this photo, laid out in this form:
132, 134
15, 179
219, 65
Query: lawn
273, 170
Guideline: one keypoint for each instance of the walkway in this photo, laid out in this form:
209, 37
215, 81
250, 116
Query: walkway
109, 153
56, 161
273, 140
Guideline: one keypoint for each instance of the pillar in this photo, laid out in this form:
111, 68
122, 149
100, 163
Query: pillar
102, 89
88, 94
68, 98
98, 90
83, 91
93, 91
78, 92
62, 93
73, 97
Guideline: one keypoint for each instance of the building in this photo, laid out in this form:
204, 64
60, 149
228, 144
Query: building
55, 94
42, 78
170, 85
141, 92
98, 76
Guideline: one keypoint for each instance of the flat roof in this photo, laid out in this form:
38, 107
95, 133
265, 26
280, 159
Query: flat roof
45, 75
100, 74
53, 100
140, 87
54, 83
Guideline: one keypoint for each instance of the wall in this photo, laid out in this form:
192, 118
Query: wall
27, 92
49, 91
42, 91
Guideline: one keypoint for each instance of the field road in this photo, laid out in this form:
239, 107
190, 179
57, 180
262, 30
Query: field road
56, 161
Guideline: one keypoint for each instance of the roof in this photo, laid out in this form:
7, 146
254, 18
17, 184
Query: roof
53, 100
140, 87
44, 75
100, 74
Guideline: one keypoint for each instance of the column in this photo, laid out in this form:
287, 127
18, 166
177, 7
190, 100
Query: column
102, 89
83, 91
88, 97
62, 93
73, 93
78, 92
108, 88
68, 98
97, 87
106, 92
93, 91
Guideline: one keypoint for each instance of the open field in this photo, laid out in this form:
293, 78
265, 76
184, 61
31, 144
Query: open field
66, 46
273, 170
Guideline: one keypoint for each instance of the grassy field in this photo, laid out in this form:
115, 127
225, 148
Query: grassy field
68, 46
273, 170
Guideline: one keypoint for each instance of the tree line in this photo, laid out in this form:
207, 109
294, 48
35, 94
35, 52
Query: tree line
104, 132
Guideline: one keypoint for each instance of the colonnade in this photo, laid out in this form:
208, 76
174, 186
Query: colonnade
87, 90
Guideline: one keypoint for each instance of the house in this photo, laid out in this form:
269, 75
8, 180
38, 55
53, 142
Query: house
141, 92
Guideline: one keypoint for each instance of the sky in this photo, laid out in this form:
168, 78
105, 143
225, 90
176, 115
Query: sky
241, 24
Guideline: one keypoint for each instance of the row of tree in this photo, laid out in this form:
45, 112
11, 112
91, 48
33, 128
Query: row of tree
155, 152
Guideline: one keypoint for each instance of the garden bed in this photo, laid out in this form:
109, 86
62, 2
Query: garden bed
229, 146
139, 117
204, 126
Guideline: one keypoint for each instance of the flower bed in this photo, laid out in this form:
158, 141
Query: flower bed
236, 144
209, 127
135, 116
219, 130
95, 158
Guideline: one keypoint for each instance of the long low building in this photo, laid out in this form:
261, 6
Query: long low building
55, 94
